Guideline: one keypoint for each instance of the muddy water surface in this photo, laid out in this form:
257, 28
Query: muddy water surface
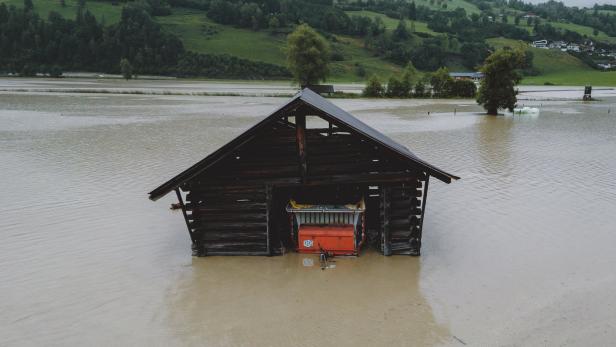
521, 251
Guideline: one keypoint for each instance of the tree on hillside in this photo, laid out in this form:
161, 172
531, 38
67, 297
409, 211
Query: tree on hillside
307, 55
500, 77
126, 68
28, 5
401, 33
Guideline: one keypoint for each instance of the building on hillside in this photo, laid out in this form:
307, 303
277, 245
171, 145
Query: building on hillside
557, 45
543, 44
606, 66
307, 173
470, 76
587, 46
573, 47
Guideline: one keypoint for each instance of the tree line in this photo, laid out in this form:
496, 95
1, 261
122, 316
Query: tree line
438, 84
30, 45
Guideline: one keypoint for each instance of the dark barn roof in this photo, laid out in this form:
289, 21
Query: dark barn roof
329, 111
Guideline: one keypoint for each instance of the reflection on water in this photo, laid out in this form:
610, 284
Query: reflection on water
239, 301
520, 251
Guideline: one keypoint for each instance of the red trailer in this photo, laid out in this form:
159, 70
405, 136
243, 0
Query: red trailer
331, 229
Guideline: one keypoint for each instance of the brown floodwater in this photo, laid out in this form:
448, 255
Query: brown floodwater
520, 251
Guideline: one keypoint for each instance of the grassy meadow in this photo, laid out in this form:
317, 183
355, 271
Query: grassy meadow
199, 34
558, 67
391, 23
451, 5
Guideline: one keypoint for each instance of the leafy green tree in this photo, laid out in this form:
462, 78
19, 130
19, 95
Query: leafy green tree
500, 77
464, 89
409, 77
420, 89
28, 70
126, 68
307, 55
395, 88
401, 33
55, 71
441, 83
373, 88
273, 23
412, 11
28, 5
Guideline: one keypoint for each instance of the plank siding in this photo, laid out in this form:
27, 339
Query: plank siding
232, 213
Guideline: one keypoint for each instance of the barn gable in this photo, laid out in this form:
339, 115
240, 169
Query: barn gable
314, 152
277, 124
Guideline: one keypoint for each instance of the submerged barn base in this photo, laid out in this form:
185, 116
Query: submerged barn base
308, 165
254, 220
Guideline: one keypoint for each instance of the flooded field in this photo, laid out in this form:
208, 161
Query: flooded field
520, 251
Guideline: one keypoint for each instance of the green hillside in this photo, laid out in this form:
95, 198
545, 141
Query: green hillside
584, 30
391, 23
201, 35
558, 67
451, 5
353, 61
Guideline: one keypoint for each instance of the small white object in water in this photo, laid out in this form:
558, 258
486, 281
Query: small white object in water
526, 110
308, 262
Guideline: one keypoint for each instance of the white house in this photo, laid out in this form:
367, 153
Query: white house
540, 44
573, 47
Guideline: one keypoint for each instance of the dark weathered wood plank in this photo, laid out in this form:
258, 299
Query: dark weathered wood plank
300, 127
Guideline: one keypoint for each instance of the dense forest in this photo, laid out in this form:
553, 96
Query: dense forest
31, 44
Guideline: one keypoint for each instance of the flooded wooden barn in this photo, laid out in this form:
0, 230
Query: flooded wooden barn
310, 176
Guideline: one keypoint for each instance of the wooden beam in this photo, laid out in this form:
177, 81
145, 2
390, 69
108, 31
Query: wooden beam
377, 178
269, 201
181, 201
386, 220
423, 204
300, 134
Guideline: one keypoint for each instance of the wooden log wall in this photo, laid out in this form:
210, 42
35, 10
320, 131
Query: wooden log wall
401, 213
237, 205
343, 153
228, 219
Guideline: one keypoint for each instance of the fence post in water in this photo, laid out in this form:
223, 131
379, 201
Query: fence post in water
587, 93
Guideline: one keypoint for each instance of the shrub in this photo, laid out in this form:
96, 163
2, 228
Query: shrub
464, 89
396, 88
373, 88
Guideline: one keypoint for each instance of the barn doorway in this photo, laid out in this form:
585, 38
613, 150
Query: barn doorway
284, 227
